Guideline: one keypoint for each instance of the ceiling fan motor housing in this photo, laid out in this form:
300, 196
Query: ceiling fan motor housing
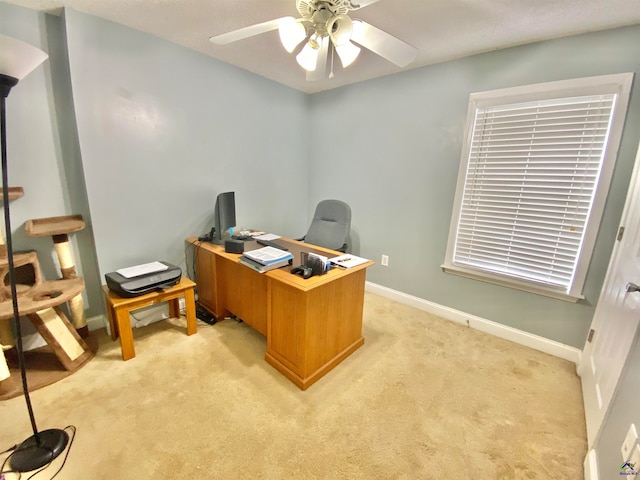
327, 18
307, 8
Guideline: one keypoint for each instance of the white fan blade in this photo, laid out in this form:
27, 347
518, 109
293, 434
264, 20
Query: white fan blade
383, 43
357, 5
321, 65
245, 32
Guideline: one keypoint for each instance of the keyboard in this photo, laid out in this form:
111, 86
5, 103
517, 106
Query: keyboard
269, 243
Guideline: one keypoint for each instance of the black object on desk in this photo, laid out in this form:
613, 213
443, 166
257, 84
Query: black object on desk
233, 246
304, 272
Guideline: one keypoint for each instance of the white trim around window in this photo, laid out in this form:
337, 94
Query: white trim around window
534, 175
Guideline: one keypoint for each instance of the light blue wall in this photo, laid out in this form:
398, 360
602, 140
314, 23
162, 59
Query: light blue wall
391, 148
42, 150
163, 130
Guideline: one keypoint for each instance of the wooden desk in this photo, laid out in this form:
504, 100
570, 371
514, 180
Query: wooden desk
311, 325
119, 309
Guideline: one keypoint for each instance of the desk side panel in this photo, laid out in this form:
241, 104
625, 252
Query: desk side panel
286, 327
206, 280
334, 320
310, 332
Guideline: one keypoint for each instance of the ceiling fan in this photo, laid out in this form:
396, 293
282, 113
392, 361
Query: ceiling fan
325, 27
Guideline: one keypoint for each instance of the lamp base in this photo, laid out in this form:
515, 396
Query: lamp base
39, 450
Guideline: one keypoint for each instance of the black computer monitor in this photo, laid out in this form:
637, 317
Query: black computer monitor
225, 215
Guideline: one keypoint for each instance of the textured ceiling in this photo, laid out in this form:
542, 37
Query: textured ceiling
440, 29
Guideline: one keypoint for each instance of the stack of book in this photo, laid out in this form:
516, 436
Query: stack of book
265, 259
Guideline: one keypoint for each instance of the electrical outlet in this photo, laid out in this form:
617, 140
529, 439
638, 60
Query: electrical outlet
629, 441
384, 261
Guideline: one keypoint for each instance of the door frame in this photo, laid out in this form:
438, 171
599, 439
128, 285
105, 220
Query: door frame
633, 193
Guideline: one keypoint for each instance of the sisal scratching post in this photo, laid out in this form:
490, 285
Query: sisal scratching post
59, 229
68, 269
6, 335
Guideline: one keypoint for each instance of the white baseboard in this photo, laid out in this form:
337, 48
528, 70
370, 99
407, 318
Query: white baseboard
591, 466
494, 328
97, 322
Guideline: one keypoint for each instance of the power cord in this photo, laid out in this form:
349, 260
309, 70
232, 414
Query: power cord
72, 429
209, 236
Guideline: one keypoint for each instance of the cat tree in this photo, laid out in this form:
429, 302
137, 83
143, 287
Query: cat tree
40, 301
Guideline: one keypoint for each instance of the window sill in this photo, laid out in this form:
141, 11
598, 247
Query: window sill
512, 283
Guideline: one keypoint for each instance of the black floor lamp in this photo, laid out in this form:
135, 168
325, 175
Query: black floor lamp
17, 60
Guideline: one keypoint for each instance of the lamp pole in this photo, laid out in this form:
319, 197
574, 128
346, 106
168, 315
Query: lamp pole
17, 59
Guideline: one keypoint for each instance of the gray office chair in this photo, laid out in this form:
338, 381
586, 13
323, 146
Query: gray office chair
330, 226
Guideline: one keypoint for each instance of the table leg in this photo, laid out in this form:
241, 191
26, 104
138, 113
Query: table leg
174, 308
126, 334
113, 326
190, 306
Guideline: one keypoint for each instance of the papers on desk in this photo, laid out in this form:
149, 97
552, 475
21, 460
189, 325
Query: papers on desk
347, 260
268, 255
260, 268
266, 236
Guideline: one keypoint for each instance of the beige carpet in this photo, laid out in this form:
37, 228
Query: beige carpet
424, 398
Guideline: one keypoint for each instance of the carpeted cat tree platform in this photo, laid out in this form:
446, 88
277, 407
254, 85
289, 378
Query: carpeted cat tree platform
69, 346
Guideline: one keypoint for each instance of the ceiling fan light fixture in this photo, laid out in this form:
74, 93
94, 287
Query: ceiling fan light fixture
340, 28
308, 57
347, 53
326, 26
291, 32
357, 29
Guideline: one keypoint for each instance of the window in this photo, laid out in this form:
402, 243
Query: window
534, 174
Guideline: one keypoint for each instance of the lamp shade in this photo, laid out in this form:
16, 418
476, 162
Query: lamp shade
340, 28
347, 52
17, 58
308, 57
291, 33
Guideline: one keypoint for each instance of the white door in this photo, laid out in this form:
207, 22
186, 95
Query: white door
616, 318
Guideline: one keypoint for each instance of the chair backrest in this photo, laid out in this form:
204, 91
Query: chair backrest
331, 225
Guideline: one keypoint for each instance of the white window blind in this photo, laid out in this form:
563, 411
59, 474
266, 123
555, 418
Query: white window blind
525, 199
